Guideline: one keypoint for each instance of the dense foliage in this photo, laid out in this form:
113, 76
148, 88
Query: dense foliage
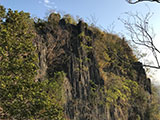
21, 95
122, 91
25, 96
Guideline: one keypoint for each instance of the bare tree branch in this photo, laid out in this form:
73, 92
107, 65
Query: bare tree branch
137, 1
141, 33
150, 66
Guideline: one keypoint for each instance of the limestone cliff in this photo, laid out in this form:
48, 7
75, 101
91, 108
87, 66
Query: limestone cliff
103, 79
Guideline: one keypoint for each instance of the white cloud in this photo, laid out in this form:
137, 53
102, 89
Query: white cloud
48, 4
46, 1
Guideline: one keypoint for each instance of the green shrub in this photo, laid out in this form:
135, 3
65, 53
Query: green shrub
69, 19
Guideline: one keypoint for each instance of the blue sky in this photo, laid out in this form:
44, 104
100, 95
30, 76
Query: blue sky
105, 12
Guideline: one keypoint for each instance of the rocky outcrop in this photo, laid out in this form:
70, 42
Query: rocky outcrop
141, 77
64, 47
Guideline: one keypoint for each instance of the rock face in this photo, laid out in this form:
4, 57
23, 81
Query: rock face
141, 77
64, 47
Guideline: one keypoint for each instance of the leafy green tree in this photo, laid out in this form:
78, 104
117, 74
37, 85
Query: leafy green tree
2, 13
17, 64
21, 96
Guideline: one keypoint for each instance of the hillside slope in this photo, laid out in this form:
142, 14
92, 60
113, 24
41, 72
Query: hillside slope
60, 69
103, 79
